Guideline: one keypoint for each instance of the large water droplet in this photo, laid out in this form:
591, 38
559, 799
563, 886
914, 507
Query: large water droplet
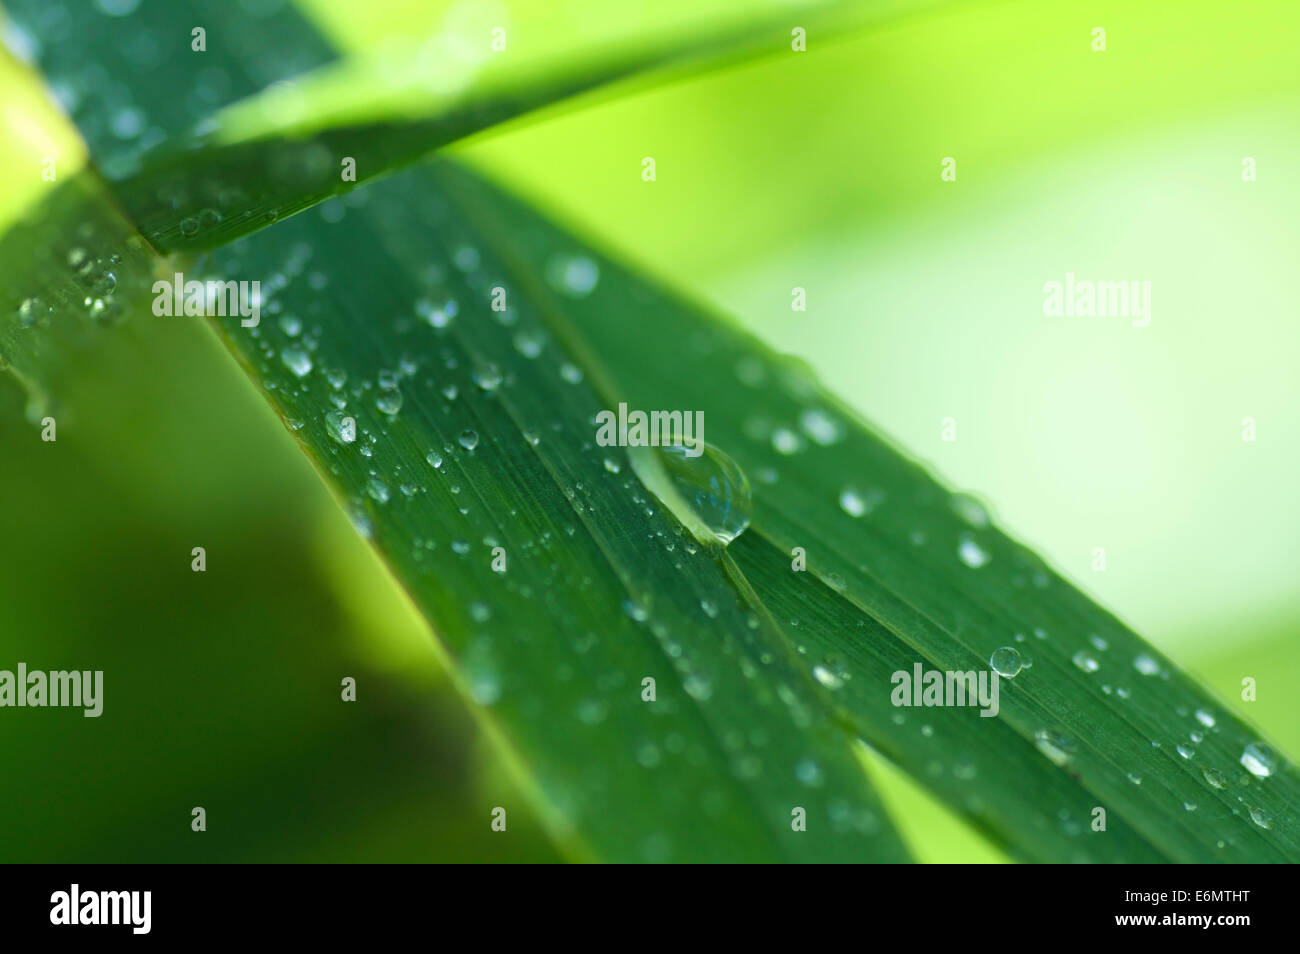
707, 492
1005, 661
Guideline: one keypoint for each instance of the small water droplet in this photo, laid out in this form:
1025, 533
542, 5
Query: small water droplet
342, 429
856, 503
1085, 662
297, 361
1056, 747
466, 258
377, 490
648, 755
809, 773
487, 377
970, 510
1215, 778
972, 554
1005, 661
592, 711
1204, 718
1258, 760
1146, 665
827, 678
1261, 818
389, 402
460, 547
189, 226
786, 441
635, 611
30, 311
1098, 643
573, 275
468, 439
481, 677
105, 285
698, 687
820, 426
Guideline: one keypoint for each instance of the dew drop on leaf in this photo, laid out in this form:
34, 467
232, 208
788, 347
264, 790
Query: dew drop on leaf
297, 361
820, 426
827, 678
1084, 661
1215, 778
342, 429
1146, 665
972, 554
1258, 760
573, 275
1005, 661
707, 491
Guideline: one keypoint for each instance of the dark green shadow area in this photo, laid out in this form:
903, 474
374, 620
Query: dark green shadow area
222, 688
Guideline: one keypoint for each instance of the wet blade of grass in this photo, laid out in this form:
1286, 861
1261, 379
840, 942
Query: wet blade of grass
201, 152
459, 439
961, 756
1100, 705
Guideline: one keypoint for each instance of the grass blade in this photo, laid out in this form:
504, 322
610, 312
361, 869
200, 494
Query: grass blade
1143, 740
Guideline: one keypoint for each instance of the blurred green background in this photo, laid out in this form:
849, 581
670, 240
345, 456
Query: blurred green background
819, 170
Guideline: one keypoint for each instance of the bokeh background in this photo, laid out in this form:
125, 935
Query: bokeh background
819, 170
